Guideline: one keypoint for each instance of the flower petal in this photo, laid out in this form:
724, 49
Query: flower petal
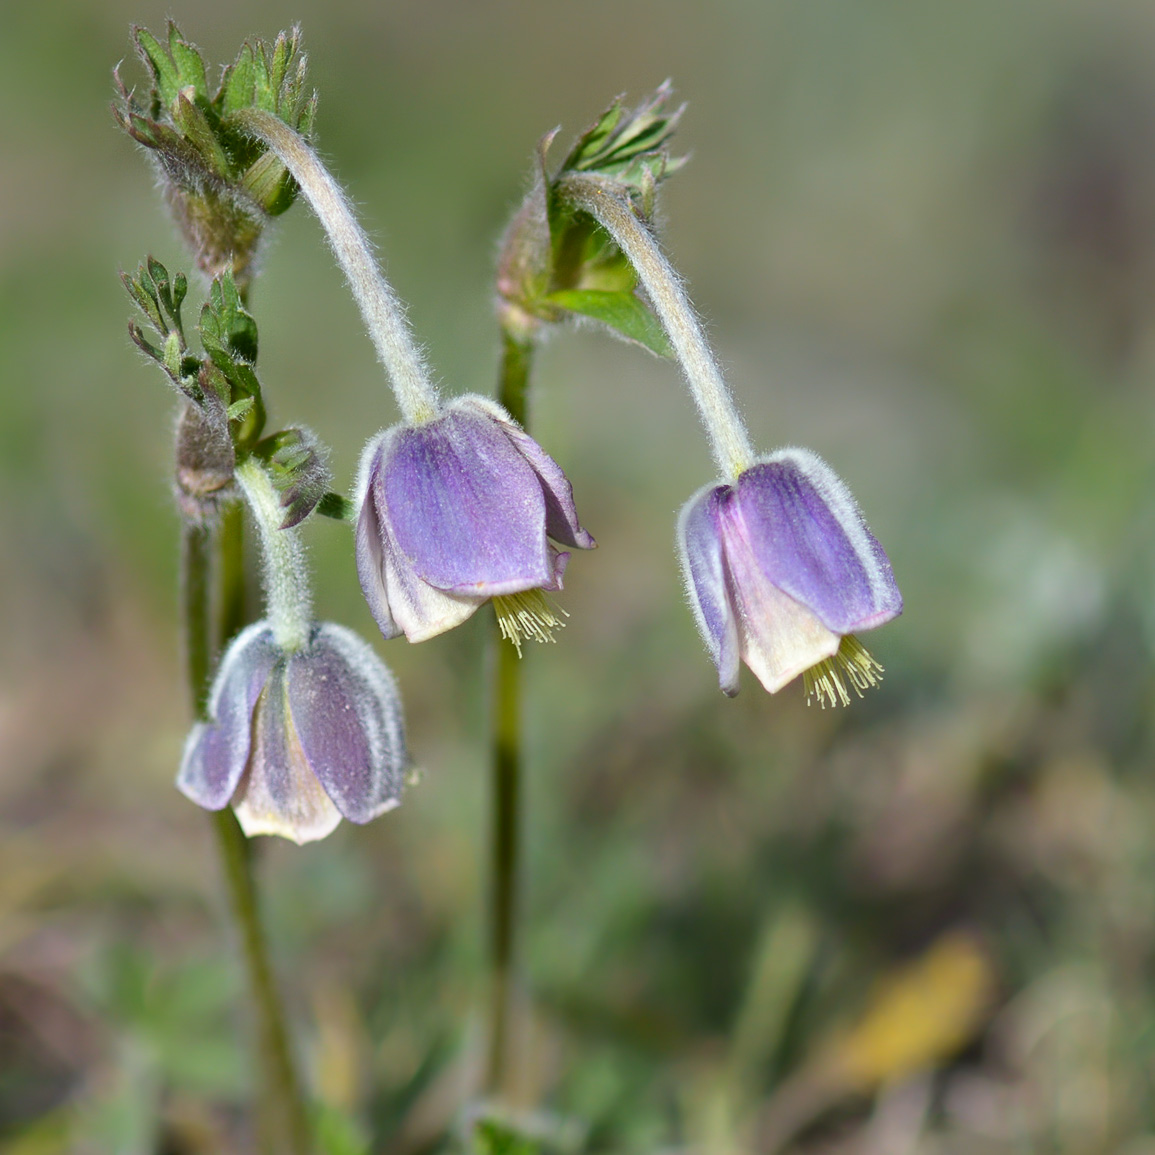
399, 600
347, 713
464, 506
216, 752
279, 793
561, 516
779, 638
371, 567
559, 559
811, 541
703, 568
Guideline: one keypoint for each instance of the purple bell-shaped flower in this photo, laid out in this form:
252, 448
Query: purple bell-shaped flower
457, 504
455, 511
299, 739
781, 572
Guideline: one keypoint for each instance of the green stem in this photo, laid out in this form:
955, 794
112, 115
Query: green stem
516, 364
283, 1122
517, 357
605, 201
195, 566
231, 608
284, 1126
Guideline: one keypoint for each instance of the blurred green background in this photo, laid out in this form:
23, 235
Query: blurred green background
923, 236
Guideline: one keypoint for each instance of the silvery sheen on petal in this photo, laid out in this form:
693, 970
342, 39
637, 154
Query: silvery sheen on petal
298, 739
344, 703
456, 511
781, 569
216, 753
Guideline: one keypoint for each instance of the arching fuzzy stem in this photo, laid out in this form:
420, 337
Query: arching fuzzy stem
383, 313
611, 208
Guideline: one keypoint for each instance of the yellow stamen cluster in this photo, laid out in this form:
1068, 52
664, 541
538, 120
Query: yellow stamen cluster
526, 617
826, 682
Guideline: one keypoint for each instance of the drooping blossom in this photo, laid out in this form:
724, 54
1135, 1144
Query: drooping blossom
298, 739
457, 504
782, 572
457, 510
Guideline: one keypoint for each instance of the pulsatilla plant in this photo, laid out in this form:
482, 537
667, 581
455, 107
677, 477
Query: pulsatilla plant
303, 720
455, 505
780, 568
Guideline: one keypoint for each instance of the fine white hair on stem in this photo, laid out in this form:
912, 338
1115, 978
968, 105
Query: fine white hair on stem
612, 209
380, 307
289, 607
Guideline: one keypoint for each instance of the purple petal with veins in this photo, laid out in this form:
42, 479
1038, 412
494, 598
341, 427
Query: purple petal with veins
346, 712
700, 540
810, 541
464, 506
561, 516
216, 752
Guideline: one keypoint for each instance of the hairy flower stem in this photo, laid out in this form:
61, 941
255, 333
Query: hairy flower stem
612, 209
516, 360
282, 1119
288, 602
383, 313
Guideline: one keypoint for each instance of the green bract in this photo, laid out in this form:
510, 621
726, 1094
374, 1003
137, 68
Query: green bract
557, 263
224, 419
220, 183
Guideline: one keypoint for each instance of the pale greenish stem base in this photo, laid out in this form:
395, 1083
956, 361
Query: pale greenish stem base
283, 1125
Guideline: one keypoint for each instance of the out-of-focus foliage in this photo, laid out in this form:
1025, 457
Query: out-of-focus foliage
924, 236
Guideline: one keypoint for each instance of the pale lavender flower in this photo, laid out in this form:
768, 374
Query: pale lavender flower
298, 738
457, 510
781, 572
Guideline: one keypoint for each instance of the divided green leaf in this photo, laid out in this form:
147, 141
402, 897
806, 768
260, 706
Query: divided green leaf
226, 326
556, 260
623, 312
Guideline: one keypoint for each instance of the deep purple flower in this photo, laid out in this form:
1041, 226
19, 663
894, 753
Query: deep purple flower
456, 511
781, 572
299, 739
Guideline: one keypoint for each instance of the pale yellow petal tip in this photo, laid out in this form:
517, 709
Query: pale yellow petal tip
287, 826
852, 667
527, 617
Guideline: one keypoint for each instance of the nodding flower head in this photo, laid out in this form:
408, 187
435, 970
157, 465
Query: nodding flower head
459, 510
782, 572
299, 738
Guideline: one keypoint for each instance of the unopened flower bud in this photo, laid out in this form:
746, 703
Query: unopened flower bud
204, 463
219, 184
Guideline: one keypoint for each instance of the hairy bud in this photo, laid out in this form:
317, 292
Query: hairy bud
204, 463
